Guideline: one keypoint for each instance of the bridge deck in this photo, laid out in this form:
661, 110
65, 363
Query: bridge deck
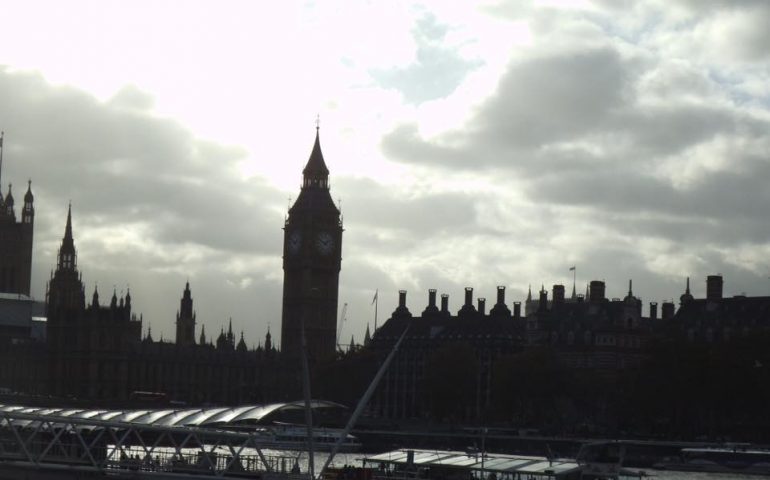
65, 446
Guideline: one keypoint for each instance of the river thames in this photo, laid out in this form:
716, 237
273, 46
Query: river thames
354, 459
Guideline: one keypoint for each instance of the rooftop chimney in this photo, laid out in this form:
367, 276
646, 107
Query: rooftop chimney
596, 291
714, 287
558, 294
500, 308
431, 309
667, 310
467, 308
653, 310
516, 310
401, 310
482, 305
444, 303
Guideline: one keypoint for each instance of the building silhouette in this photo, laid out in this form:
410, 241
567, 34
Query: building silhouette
97, 352
88, 345
20, 326
185, 320
15, 239
487, 334
716, 318
312, 258
591, 333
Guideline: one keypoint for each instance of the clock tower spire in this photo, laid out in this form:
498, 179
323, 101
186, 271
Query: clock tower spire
312, 258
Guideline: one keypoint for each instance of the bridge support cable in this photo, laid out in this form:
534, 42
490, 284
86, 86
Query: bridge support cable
265, 462
363, 402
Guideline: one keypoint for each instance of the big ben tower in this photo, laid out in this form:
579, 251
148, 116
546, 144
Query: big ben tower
312, 256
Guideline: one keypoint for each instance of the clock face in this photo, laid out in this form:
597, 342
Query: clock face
324, 243
295, 241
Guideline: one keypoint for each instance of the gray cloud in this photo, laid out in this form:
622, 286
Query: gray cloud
648, 164
152, 204
539, 100
124, 164
554, 97
419, 215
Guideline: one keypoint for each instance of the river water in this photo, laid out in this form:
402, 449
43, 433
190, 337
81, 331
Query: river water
692, 476
355, 460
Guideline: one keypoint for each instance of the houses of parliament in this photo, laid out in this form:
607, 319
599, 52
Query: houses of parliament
91, 346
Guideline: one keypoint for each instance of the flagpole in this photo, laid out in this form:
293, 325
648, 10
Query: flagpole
376, 302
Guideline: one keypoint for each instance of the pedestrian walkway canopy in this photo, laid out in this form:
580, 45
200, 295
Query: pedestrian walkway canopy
222, 418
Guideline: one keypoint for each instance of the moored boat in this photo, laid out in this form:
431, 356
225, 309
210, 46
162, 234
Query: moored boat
293, 436
456, 465
735, 459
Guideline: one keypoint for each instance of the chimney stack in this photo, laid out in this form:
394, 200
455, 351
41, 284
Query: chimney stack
444, 303
516, 310
467, 310
667, 310
653, 310
468, 296
482, 305
431, 309
596, 291
401, 310
714, 287
500, 309
558, 294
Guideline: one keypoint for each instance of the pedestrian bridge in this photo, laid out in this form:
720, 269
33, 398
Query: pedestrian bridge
76, 443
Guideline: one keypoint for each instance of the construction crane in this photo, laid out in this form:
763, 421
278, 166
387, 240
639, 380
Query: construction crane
339, 324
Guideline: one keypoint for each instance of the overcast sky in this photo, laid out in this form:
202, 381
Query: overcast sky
495, 144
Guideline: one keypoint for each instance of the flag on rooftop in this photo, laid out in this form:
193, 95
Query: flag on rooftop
571, 268
374, 299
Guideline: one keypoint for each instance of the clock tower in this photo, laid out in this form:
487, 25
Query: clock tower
312, 257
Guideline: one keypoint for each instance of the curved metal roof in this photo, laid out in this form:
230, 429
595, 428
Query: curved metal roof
219, 417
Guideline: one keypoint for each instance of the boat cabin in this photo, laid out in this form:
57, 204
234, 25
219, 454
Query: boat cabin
453, 465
